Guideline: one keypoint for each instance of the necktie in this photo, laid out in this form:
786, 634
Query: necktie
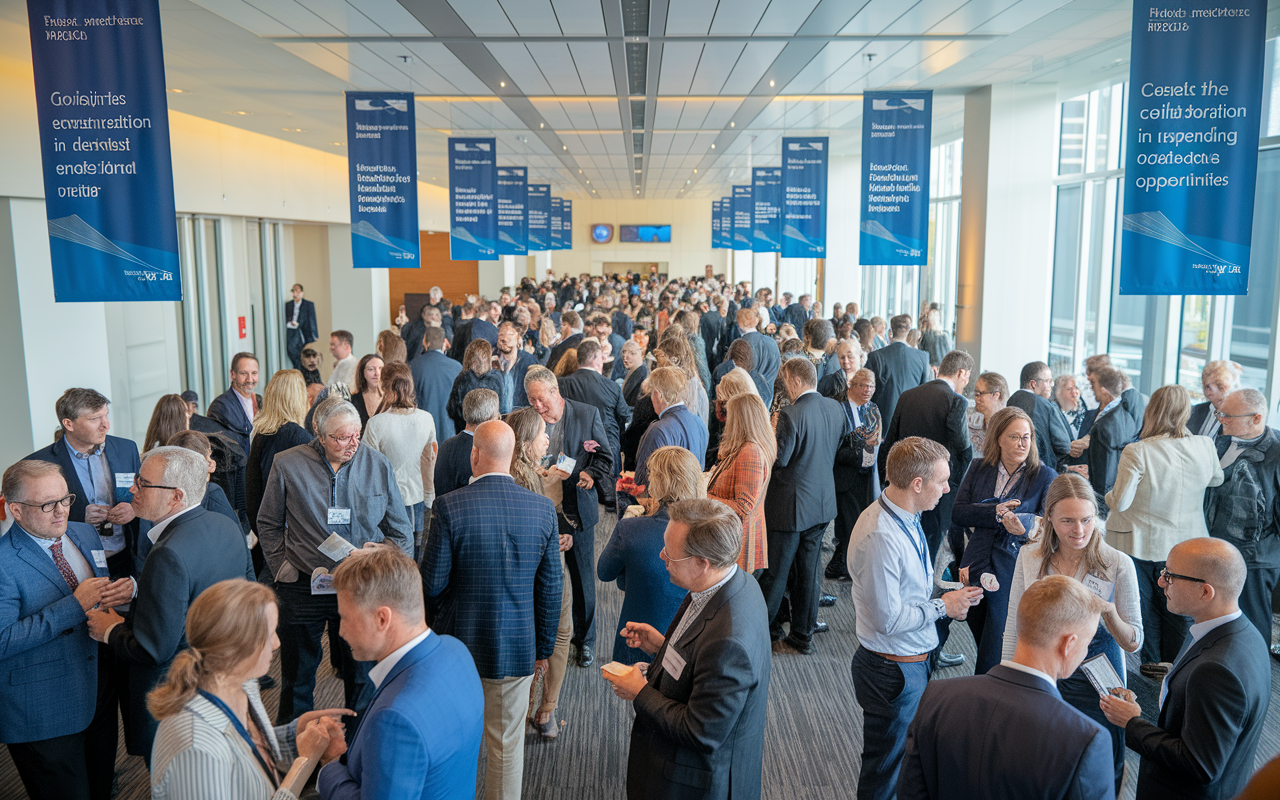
60, 562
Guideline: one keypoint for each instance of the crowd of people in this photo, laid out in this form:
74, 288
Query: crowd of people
432, 507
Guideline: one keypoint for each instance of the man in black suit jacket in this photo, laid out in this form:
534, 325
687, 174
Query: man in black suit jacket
801, 500
193, 549
300, 325
1214, 699
1113, 429
453, 461
936, 410
234, 410
763, 348
898, 367
798, 313
575, 431
590, 387
433, 377
700, 713
570, 338
1008, 735
1053, 438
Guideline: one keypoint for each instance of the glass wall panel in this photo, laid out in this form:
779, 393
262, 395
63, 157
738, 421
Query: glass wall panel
1253, 319
1066, 262
1071, 136
1193, 351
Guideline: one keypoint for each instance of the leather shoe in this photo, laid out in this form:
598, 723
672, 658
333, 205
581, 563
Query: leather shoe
585, 657
821, 627
950, 660
834, 572
827, 600
803, 648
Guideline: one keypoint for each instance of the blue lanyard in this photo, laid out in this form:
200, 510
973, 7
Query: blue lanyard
922, 549
244, 734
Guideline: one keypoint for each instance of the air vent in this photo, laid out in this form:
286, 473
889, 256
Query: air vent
637, 113
637, 67
639, 164
635, 17
637, 144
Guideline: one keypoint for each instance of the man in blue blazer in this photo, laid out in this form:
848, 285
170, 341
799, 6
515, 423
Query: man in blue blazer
767, 357
1008, 734
420, 735
57, 687
433, 376
511, 361
99, 470
503, 572
300, 325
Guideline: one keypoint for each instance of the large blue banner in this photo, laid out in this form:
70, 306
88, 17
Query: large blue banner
726, 222
742, 218
382, 167
896, 137
766, 214
715, 224
556, 224
104, 138
566, 224
473, 199
539, 216
804, 190
1195, 95
513, 218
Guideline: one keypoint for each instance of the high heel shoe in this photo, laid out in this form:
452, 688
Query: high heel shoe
547, 730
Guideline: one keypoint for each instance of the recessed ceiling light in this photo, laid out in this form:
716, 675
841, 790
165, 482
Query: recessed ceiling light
770, 83
564, 147
733, 124
336, 144
542, 125
502, 84
178, 91
293, 130
241, 113
713, 145
695, 171
579, 172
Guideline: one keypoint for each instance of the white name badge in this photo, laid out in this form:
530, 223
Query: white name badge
673, 663
1104, 589
99, 558
124, 480
339, 516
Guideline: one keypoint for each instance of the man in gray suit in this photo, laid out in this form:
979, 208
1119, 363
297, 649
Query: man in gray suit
1008, 733
898, 367
700, 713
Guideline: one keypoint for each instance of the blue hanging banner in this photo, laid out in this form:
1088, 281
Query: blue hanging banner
766, 214
539, 216
742, 215
726, 222
556, 224
804, 192
104, 142
382, 169
1191, 147
473, 199
896, 137
566, 224
513, 218
715, 224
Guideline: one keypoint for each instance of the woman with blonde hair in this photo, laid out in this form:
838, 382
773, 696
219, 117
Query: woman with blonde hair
1069, 541
277, 428
634, 555
214, 739
568, 363
674, 350
748, 448
171, 414
1157, 502
477, 373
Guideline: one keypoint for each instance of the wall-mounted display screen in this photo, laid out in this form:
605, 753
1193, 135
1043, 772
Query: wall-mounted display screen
644, 233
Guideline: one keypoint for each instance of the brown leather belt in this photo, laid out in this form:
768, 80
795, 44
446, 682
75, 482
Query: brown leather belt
903, 659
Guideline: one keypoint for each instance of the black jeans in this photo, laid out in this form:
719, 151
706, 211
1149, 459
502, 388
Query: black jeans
800, 551
580, 563
849, 506
303, 617
1163, 632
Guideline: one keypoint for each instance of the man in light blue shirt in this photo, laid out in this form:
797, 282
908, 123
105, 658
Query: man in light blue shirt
892, 589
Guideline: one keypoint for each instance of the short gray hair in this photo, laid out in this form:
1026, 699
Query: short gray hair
13, 487
1254, 400
331, 411
540, 374
480, 405
183, 469
715, 530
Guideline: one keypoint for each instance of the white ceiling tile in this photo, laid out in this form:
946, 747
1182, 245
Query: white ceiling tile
739, 16
606, 114
580, 17
595, 69
679, 62
720, 112
531, 17
668, 113
832, 57
344, 17
553, 113
390, 16
690, 17
755, 60
439, 58
877, 15
557, 67
483, 17
247, 16
784, 17
514, 58
717, 62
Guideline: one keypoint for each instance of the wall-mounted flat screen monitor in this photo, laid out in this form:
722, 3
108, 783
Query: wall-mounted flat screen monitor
644, 233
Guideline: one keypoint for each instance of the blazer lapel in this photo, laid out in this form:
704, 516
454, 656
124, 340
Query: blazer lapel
86, 549
1205, 641
662, 651
709, 610
424, 648
34, 555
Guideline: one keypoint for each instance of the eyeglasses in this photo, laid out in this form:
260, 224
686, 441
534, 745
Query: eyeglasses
977, 394
48, 507
666, 557
1220, 415
140, 483
1170, 577
345, 440
1016, 439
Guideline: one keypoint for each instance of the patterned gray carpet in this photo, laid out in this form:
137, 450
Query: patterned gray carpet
812, 742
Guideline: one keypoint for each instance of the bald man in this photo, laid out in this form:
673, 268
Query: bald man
1214, 699
502, 572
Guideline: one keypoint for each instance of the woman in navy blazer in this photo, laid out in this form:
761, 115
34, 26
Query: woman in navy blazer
1010, 470
633, 556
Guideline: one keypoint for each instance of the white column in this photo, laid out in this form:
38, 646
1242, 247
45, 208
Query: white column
542, 263
361, 298
764, 268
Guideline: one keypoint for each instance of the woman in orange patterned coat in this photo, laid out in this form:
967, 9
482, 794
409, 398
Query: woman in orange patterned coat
747, 452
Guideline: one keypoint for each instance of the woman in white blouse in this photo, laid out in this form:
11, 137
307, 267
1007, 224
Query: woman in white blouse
1069, 541
215, 741
1156, 502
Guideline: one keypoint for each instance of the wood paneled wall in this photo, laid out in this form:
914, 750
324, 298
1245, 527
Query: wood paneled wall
455, 278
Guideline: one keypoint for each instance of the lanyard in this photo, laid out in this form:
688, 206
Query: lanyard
921, 548
849, 411
244, 734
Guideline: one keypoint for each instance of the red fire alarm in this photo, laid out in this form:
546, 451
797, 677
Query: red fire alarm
244, 328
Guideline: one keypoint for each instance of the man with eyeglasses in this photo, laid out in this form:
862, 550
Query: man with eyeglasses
1053, 438
57, 710
329, 486
1214, 700
1242, 510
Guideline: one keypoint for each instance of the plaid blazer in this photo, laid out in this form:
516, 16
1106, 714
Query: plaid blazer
741, 485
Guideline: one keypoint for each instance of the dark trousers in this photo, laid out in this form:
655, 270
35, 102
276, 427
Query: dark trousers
1163, 632
889, 694
303, 617
78, 766
580, 563
799, 551
294, 344
1255, 599
937, 521
850, 504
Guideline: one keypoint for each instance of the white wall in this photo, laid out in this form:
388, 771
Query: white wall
686, 255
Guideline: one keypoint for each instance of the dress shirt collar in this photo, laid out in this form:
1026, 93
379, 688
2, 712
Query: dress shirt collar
1200, 629
96, 451
676, 404
802, 394
378, 673
1108, 408
158, 528
902, 513
506, 475
1011, 664
706, 594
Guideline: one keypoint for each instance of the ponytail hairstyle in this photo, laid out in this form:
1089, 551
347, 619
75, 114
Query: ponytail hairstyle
226, 626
